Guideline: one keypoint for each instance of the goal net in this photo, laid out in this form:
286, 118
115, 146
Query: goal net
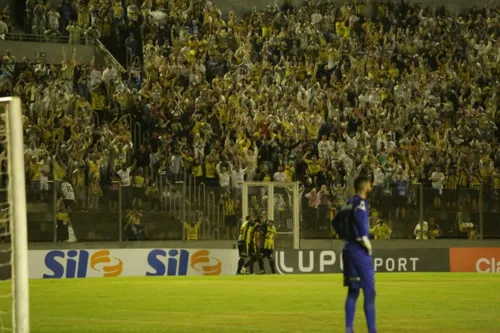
275, 201
14, 297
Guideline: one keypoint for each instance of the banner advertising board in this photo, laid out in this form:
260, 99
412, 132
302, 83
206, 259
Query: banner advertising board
57, 264
480, 259
384, 260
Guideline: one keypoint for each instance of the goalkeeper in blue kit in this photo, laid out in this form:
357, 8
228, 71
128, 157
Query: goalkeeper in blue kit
352, 225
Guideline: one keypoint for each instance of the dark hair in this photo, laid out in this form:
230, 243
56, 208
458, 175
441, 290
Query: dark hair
360, 181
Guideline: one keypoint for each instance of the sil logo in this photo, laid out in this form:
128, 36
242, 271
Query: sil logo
75, 264
176, 262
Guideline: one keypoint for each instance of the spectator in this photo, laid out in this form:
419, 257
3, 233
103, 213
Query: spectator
125, 185
63, 223
324, 208
134, 229
381, 231
4, 29
421, 231
192, 229
95, 194
68, 194
434, 230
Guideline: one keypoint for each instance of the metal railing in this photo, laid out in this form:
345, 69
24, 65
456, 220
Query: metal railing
463, 213
60, 39
106, 59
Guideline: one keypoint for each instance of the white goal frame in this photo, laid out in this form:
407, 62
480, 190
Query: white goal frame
270, 207
18, 216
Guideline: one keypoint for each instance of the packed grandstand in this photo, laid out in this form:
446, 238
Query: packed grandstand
314, 93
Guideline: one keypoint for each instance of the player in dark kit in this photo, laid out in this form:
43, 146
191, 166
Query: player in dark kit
352, 225
267, 250
254, 246
244, 242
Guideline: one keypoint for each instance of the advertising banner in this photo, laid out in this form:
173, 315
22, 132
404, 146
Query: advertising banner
475, 259
384, 260
60, 264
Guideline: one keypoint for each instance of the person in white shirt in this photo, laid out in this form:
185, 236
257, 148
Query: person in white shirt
68, 194
125, 184
224, 178
437, 179
4, 29
351, 143
323, 148
95, 77
280, 176
421, 232
199, 147
237, 179
251, 157
53, 17
109, 75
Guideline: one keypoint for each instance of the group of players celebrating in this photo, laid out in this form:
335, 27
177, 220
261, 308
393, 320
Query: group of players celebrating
256, 243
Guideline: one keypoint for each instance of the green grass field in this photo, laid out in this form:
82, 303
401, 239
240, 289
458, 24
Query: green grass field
442, 303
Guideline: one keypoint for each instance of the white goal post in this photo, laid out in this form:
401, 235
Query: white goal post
16, 196
279, 202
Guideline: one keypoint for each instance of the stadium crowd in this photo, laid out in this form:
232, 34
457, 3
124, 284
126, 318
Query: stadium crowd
316, 94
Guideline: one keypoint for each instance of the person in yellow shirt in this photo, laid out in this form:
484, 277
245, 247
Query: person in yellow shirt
313, 165
63, 223
268, 231
192, 230
59, 170
230, 219
95, 194
83, 14
381, 231
152, 194
93, 164
245, 143
187, 159
134, 229
35, 172
197, 171
451, 188
210, 164
244, 241
78, 181
138, 183
289, 172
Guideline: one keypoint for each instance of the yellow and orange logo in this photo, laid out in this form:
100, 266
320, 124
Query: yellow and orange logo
101, 262
202, 262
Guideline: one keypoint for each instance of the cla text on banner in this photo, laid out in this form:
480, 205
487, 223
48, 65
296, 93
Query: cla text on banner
59, 264
480, 259
384, 260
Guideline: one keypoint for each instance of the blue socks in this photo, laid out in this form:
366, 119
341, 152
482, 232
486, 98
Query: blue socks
350, 308
369, 307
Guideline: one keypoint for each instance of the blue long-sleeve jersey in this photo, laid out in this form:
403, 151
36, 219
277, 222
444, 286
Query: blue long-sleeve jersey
352, 221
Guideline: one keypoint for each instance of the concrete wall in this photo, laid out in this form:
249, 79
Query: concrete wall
54, 52
309, 244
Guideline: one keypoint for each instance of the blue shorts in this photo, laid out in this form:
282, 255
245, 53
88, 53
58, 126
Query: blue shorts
358, 269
